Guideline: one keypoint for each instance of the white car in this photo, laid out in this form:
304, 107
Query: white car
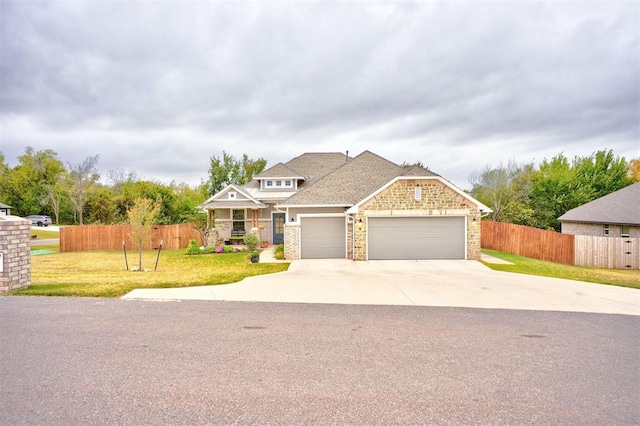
40, 220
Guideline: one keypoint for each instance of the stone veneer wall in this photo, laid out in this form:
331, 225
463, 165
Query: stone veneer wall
291, 240
15, 233
437, 200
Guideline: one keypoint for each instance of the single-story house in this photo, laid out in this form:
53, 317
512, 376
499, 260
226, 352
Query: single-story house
330, 205
5, 210
614, 215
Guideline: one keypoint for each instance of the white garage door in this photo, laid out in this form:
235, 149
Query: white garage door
323, 238
416, 238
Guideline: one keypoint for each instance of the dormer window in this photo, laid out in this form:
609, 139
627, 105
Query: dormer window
278, 183
269, 184
287, 183
233, 195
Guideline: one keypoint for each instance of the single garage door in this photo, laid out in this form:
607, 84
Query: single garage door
416, 238
323, 238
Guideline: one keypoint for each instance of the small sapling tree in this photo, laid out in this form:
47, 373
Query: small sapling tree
141, 217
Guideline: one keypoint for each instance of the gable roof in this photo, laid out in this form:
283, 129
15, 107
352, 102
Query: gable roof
348, 184
216, 202
279, 171
621, 207
4, 206
315, 165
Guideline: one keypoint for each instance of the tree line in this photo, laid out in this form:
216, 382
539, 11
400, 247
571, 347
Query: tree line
531, 195
73, 193
526, 194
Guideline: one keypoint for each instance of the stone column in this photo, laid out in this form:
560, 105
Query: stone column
15, 253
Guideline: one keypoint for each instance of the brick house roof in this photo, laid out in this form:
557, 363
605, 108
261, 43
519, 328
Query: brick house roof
620, 207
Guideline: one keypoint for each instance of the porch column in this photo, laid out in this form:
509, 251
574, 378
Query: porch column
254, 218
211, 219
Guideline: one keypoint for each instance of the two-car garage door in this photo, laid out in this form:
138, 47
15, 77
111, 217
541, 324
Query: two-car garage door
391, 238
416, 238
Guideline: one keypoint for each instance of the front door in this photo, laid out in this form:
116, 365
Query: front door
278, 228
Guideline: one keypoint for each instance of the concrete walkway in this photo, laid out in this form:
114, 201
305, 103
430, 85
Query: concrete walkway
456, 283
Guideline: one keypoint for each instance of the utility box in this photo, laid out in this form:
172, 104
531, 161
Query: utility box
15, 253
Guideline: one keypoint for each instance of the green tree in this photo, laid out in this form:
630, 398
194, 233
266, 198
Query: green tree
141, 217
229, 170
101, 206
602, 172
500, 188
26, 185
633, 170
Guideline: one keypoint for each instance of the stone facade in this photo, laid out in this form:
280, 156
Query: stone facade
15, 253
597, 229
437, 199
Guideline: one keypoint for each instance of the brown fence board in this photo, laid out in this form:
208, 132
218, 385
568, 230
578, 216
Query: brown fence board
110, 237
608, 252
528, 242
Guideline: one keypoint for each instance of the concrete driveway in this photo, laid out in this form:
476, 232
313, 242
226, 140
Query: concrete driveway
456, 283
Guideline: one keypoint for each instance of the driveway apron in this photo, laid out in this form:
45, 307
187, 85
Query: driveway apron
455, 283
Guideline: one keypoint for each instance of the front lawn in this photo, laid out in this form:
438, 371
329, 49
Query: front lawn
524, 265
103, 273
43, 234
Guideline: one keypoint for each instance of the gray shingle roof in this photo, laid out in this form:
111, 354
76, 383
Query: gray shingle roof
279, 171
418, 171
350, 183
315, 165
620, 207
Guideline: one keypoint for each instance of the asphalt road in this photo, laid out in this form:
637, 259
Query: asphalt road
93, 361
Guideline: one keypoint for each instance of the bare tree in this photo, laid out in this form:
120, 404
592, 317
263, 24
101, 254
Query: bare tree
494, 186
120, 176
141, 217
81, 177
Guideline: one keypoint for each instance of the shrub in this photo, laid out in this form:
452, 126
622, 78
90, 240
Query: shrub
253, 255
278, 252
228, 249
251, 241
193, 247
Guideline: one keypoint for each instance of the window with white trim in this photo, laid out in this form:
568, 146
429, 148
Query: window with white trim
232, 195
278, 183
287, 183
238, 220
606, 229
269, 183
624, 231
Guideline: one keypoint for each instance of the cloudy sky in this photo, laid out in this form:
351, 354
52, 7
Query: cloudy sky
161, 86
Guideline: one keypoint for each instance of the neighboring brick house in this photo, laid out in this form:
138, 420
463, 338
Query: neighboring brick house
614, 215
329, 205
5, 210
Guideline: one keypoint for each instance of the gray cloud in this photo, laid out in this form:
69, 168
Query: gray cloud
160, 87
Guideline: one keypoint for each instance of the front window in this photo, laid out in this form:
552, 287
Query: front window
269, 183
287, 183
624, 231
278, 183
606, 230
238, 220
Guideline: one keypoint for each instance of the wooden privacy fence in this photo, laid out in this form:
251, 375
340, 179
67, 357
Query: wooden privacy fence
110, 237
608, 252
528, 242
582, 250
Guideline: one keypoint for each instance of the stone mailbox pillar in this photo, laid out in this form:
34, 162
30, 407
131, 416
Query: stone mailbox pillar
15, 253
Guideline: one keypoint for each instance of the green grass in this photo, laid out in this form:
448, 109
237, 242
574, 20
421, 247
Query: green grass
42, 234
524, 265
103, 273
